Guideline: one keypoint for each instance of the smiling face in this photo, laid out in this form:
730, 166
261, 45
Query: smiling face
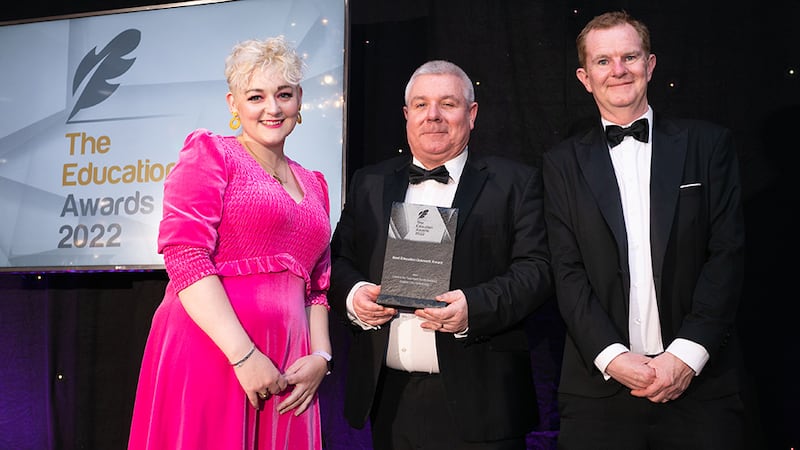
438, 118
268, 107
616, 72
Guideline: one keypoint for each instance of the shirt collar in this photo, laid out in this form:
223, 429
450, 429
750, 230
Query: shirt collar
454, 167
647, 115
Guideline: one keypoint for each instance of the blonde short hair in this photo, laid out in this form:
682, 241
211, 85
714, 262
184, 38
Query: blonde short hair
248, 57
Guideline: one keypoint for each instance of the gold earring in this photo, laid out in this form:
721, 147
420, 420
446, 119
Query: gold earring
299, 118
235, 122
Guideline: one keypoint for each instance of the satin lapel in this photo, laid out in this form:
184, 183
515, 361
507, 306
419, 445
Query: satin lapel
666, 173
595, 163
395, 185
472, 179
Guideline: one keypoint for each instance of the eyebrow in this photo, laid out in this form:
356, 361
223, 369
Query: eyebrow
636, 52
446, 97
259, 90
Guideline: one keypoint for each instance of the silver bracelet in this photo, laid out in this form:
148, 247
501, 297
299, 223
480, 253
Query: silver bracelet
239, 363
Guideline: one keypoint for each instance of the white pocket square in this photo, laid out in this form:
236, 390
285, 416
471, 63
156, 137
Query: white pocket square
684, 186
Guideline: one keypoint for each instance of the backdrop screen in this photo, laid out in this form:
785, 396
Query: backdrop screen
96, 108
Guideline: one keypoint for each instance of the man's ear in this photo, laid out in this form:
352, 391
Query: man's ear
583, 77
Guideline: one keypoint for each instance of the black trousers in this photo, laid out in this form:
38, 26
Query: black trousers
623, 421
410, 412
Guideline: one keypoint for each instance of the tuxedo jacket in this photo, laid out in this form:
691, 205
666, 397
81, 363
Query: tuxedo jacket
697, 241
500, 261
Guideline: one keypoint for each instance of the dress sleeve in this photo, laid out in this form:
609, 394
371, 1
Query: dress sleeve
193, 192
321, 275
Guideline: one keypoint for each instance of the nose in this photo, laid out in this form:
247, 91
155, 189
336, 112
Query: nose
619, 68
433, 113
271, 107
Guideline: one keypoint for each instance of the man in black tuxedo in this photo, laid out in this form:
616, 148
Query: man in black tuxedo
459, 376
646, 234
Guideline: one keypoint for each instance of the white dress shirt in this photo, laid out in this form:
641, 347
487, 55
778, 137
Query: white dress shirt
411, 347
631, 161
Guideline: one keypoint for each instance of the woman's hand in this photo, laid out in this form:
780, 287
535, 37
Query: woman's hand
260, 378
304, 375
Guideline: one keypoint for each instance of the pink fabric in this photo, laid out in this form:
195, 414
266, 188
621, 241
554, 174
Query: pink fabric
225, 216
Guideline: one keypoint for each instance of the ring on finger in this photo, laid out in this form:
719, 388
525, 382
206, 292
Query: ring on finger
263, 395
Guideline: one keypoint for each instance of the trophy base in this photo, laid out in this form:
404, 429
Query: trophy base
399, 301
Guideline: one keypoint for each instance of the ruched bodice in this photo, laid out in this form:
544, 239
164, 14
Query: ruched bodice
241, 220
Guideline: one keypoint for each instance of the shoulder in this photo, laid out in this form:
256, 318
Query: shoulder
202, 136
315, 176
206, 141
675, 125
562, 151
206, 148
698, 137
313, 179
497, 161
377, 172
584, 134
502, 166
386, 166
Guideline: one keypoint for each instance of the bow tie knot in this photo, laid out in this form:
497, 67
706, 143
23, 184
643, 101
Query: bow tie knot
417, 174
640, 130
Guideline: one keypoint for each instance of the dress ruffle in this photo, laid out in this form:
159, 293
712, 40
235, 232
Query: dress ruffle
280, 262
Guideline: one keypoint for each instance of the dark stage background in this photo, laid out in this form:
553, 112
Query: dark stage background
71, 343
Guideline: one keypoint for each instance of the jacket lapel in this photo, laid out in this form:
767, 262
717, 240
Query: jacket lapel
666, 172
595, 163
395, 185
469, 186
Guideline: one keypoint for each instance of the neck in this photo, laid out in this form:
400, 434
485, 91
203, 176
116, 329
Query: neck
275, 169
429, 164
624, 116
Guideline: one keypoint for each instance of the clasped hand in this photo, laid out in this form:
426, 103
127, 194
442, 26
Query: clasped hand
659, 379
302, 378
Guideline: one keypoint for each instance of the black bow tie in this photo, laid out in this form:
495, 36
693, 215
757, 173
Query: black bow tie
417, 174
639, 130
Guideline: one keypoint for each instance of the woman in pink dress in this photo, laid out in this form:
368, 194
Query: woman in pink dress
240, 343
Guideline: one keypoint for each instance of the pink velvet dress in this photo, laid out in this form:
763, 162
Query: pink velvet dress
225, 216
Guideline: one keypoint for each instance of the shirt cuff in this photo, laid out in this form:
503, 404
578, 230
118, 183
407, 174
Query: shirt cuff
351, 312
691, 353
606, 356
